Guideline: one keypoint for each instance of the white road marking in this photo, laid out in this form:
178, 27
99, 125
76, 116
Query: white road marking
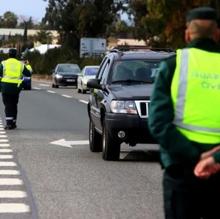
4, 157
83, 101
4, 145
3, 140
7, 164
3, 136
64, 143
9, 172
50, 91
37, 88
10, 181
67, 96
14, 208
5, 154
44, 85
5, 150
12, 194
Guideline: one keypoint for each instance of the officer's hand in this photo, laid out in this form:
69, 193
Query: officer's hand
206, 167
210, 152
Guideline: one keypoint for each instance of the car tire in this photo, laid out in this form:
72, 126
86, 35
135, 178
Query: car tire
53, 86
83, 91
95, 139
110, 147
78, 90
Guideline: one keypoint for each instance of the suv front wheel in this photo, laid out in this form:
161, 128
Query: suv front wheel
95, 139
111, 147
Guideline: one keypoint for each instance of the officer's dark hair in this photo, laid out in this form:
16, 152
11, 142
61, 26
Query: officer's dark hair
12, 53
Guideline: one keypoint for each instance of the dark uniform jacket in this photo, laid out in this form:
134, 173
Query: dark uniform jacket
10, 87
175, 148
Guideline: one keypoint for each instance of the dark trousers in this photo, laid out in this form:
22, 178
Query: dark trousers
187, 197
11, 107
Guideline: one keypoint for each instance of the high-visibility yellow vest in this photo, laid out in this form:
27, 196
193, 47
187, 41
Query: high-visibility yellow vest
12, 71
195, 92
28, 66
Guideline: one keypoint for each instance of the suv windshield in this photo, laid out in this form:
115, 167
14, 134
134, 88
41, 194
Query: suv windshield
70, 69
134, 71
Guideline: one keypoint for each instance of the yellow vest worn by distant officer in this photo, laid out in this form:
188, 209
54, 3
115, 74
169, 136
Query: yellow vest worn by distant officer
12, 71
28, 66
195, 92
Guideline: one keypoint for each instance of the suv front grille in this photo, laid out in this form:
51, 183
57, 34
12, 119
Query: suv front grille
142, 107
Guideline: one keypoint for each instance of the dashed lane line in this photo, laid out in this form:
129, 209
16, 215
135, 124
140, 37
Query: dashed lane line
3, 140
5, 157
13, 200
14, 208
36, 88
7, 164
5, 150
12, 194
4, 145
10, 182
9, 172
44, 85
67, 96
3, 136
83, 101
51, 91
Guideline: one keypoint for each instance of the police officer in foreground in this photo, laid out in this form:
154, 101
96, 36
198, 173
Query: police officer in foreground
11, 73
185, 119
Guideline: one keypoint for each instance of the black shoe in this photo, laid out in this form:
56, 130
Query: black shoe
14, 126
8, 127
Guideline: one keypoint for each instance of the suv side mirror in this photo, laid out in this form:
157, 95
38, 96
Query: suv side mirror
94, 83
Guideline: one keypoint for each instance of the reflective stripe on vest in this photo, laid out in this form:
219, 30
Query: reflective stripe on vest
195, 91
12, 71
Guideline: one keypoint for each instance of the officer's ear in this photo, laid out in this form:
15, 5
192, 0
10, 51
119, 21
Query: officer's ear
187, 36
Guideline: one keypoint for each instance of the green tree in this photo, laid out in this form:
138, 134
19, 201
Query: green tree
44, 37
162, 22
9, 20
80, 18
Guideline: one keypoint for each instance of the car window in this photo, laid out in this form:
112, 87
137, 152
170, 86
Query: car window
68, 68
105, 73
91, 71
134, 71
102, 68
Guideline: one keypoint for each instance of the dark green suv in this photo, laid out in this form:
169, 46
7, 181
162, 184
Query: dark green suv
119, 100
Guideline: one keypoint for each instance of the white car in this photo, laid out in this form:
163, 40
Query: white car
88, 72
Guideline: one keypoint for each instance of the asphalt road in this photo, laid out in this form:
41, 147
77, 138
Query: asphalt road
49, 172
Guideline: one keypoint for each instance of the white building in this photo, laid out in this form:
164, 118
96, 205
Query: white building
5, 33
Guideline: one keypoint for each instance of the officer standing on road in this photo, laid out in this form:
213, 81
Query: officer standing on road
11, 73
185, 119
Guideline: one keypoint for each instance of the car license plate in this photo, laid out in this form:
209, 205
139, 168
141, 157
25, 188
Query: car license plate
70, 80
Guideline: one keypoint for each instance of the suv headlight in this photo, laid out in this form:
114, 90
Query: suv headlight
59, 76
119, 106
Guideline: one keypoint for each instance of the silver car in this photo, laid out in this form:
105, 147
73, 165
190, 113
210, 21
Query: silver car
88, 72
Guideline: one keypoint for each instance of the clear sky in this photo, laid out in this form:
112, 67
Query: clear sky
26, 8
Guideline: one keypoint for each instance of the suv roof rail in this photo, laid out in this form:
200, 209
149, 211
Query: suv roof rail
124, 48
163, 49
